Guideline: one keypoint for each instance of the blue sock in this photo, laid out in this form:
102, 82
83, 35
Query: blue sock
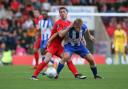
59, 68
94, 71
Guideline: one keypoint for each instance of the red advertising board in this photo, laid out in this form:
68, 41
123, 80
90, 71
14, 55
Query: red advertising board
28, 59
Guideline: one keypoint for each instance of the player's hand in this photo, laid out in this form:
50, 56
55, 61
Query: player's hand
92, 38
125, 45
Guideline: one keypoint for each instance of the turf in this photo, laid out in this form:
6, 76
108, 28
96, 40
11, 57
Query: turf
17, 77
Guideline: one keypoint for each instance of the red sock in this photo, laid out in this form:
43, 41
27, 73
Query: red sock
39, 68
36, 54
72, 68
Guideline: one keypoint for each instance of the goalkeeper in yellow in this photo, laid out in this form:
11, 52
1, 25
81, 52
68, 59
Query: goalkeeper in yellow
120, 41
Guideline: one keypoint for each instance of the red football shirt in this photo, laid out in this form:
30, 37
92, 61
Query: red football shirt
36, 19
58, 26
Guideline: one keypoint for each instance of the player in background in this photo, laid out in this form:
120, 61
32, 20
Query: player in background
55, 47
37, 42
120, 42
44, 26
74, 44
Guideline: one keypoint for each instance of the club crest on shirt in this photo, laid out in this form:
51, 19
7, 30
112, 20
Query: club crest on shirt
58, 26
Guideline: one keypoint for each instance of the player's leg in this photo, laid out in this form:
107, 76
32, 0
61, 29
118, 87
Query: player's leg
84, 52
43, 51
122, 50
66, 58
63, 59
51, 50
42, 65
93, 67
36, 53
68, 53
116, 59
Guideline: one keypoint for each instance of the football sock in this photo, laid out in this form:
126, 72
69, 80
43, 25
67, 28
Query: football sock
39, 68
124, 56
59, 68
72, 68
116, 58
36, 55
94, 70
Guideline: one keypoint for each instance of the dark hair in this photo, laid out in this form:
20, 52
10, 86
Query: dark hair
63, 8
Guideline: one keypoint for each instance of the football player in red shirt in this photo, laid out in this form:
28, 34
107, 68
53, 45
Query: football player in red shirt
37, 37
55, 47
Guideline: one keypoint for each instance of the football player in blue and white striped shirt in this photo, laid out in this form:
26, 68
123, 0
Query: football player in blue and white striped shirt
45, 25
74, 44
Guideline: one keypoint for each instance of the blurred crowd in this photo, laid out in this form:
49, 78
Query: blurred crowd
17, 25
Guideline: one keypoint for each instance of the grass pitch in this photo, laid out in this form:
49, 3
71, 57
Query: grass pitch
17, 77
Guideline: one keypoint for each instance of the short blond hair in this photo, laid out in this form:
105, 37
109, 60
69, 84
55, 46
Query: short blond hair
78, 21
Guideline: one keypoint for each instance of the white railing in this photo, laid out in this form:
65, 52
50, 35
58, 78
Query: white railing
92, 14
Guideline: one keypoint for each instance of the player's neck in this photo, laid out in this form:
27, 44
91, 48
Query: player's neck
64, 19
119, 29
45, 18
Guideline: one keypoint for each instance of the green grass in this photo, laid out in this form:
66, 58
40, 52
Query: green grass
17, 77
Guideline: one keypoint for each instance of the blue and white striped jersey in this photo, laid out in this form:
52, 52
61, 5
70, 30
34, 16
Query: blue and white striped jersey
45, 26
74, 37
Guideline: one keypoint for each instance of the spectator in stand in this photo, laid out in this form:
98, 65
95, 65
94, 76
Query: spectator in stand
20, 50
31, 32
36, 4
2, 46
24, 40
11, 42
125, 24
75, 2
111, 28
46, 6
15, 5
6, 55
124, 8
30, 49
28, 23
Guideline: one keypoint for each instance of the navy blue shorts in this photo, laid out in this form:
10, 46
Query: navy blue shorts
80, 50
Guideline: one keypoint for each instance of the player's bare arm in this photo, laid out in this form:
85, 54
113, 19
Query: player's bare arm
90, 36
62, 33
52, 38
84, 41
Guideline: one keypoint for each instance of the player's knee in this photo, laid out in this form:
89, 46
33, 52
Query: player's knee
35, 49
92, 62
90, 59
66, 56
48, 57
